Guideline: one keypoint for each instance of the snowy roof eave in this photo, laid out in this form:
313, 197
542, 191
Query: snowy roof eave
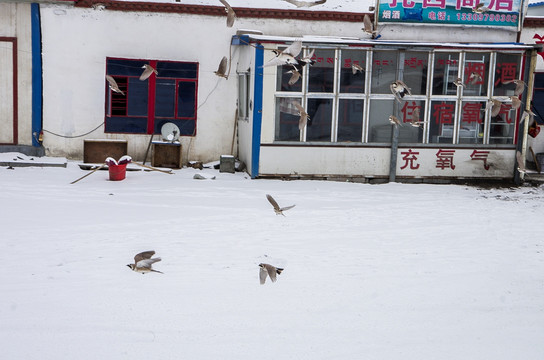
353, 41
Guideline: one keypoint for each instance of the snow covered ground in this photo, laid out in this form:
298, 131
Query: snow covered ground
391, 271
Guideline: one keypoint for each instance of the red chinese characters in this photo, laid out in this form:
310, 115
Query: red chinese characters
410, 158
505, 72
444, 159
443, 113
472, 113
480, 155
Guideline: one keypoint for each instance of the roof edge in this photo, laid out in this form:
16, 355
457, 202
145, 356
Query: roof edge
220, 10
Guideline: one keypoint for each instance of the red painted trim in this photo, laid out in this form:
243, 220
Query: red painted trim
220, 11
151, 99
15, 90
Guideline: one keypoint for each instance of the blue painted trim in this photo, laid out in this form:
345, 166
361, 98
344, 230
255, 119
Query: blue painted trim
257, 111
36, 74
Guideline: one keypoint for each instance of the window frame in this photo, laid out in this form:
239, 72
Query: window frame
426, 100
152, 120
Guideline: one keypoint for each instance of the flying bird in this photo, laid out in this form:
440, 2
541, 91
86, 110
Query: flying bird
148, 70
368, 26
277, 209
480, 8
268, 270
113, 85
394, 120
307, 60
231, 15
521, 163
300, 4
400, 89
301, 124
222, 68
527, 115
520, 86
287, 55
356, 68
143, 262
495, 106
516, 102
415, 122
474, 78
295, 75
459, 82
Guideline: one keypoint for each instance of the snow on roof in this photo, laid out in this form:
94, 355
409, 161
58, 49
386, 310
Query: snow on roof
358, 6
371, 42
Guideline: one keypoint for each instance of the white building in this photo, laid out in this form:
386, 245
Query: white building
250, 113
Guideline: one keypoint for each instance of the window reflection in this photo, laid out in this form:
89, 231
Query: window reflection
384, 71
321, 73
287, 117
319, 126
352, 71
350, 120
446, 71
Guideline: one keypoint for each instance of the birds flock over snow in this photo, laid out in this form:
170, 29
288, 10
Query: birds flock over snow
143, 262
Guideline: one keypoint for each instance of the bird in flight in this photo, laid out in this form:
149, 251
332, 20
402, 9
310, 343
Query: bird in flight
231, 15
267, 270
520, 86
148, 70
287, 55
222, 68
368, 26
394, 120
143, 262
277, 209
301, 124
474, 78
400, 89
300, 4
459, 82
113, 85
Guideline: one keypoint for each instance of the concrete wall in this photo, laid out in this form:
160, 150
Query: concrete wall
15, 22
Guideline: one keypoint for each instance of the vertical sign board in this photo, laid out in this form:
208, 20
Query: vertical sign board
505, 14
7, 91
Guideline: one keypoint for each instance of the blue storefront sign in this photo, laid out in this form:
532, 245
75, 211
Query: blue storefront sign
496, 13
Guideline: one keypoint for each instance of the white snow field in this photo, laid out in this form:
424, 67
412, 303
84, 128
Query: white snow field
392, 271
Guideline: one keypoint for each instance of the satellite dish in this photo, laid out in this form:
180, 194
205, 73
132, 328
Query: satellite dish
170, 132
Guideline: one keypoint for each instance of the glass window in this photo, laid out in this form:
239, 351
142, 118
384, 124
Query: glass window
350, 120
471, 130
284, 75
186, 99
243, 96
352, 71
165, 98
319, 126
501, 127
384, 71
411, 116
506, 70
137, 97
287, 119
321, 73
379, 127
476, 74
446, 71
174, 95
415, 71
442, 121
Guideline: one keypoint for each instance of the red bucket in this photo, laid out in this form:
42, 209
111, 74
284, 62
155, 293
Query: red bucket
117, 172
